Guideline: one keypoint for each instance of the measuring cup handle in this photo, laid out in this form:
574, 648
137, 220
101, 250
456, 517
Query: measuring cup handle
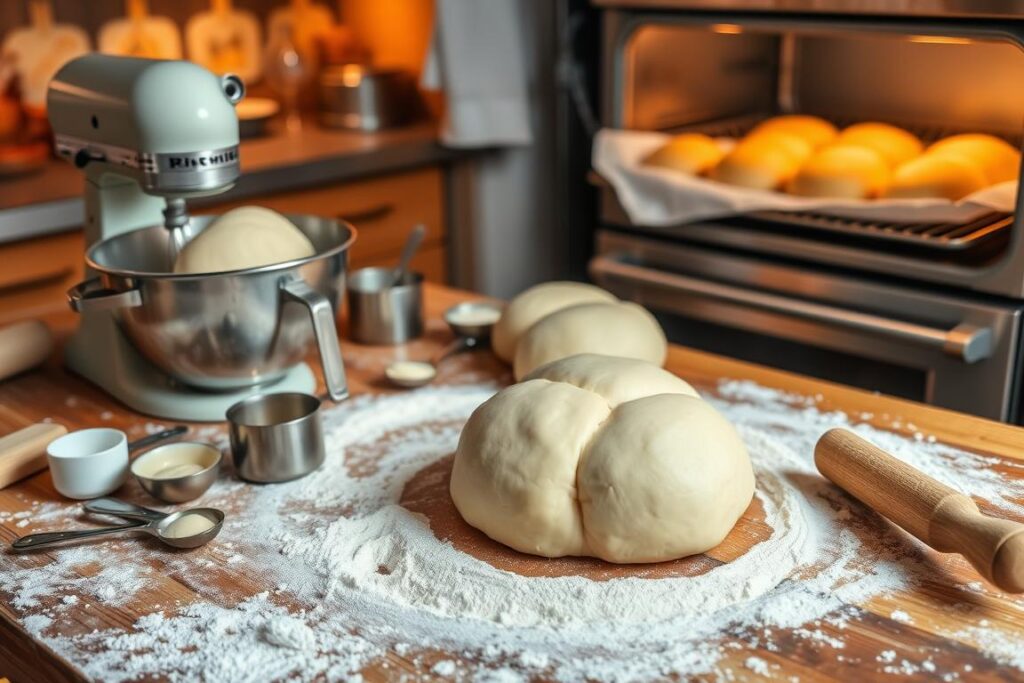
53, 537
322, 316
119, 508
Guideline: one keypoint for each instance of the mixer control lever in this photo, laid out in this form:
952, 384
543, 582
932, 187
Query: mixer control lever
84, 156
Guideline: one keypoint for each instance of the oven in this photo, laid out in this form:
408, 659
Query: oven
929, 310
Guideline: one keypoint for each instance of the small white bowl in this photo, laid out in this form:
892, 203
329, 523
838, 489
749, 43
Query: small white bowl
88, 463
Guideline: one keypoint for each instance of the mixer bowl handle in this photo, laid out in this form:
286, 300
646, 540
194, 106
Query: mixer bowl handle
90, 295
322, 316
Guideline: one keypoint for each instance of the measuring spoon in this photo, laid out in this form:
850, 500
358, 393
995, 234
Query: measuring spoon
163, 528
412, 243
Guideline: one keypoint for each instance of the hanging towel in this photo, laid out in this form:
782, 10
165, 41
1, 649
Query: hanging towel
477, 59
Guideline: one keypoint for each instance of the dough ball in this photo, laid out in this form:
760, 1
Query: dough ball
616, 380
550, 468
246, 237
690, 153
936, 176
815, 130
664, 477
613, 329
894, 144
996, 158
763, 161
515, 466
842, 171
535, 303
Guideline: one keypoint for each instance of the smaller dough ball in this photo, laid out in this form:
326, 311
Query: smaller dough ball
690, 153
842, 171
996, 158
664, 477
535, 303
514, 475
933, 176
815, 130
614, 329
617, 380
894, 144
761, 163
246, 237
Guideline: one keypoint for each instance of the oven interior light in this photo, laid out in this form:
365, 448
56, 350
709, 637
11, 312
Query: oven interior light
731, 29
942, 40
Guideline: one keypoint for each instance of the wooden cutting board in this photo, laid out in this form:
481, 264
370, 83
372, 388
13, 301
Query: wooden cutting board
873, 629
226, 40
140, 34
41, 49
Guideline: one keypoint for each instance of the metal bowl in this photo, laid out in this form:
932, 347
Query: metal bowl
182, 487
223, 331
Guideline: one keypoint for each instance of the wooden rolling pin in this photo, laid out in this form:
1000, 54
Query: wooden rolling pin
24, 452
23, 346
948, 521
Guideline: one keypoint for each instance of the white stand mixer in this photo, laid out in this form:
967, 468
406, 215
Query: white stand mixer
147, 134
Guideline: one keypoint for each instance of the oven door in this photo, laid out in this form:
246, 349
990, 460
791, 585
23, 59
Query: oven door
932, 346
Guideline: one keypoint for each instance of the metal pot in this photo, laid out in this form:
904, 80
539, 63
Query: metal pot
223, 331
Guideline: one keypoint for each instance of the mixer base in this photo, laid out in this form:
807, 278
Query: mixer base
99, 353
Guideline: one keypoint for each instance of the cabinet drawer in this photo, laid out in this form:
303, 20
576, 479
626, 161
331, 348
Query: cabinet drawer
383, 209
36, 273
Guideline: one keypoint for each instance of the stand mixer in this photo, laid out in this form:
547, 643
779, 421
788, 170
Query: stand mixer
148, 135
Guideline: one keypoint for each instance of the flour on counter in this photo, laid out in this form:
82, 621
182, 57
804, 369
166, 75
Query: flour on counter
349, 574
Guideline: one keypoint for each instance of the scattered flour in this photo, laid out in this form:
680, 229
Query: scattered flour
348, 574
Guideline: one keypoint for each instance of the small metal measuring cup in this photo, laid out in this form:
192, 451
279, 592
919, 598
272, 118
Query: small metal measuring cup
276, 437
380, 312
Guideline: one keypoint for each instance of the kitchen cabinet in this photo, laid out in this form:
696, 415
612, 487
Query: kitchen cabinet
35, 274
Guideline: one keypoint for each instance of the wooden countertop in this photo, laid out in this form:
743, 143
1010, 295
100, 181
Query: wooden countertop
51, 200
45, 394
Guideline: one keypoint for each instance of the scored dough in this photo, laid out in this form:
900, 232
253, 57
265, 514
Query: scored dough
554, 466
535, 303
614, 329
246, 237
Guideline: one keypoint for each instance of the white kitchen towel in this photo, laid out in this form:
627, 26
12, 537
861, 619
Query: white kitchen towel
477, 58
660, 196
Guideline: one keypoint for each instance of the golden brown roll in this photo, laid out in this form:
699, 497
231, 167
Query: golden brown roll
894, 144
793, 145
843, 171
816, 131
947, 176
761, 162
690, 153
997, 159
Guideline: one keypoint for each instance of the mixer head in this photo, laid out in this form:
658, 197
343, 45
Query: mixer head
168, 125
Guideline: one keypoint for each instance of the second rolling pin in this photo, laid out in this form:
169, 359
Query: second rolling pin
23, 346
945, 519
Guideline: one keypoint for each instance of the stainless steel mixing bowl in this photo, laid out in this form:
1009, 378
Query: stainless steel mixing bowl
223, 331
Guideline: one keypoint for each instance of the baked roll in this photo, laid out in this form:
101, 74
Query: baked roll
762, 162
690, 153
816, 131
842, 171
946, 176
996, 158
896, 145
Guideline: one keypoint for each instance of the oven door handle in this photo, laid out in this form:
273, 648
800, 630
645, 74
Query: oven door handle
965, 341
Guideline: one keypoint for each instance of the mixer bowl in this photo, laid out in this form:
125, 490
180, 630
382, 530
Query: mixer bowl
223, 331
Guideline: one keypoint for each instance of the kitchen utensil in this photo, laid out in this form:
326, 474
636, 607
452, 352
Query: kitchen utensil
412, 243
178, 472
41, 49
140, 34
276, 437
123, 509
23, 346
471, 321
90, 463
255, 115
225, 39
166, 529
945, 519
382, 313
358, 97
23, 453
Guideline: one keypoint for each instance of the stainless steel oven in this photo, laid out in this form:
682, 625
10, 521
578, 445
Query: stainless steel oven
929, 311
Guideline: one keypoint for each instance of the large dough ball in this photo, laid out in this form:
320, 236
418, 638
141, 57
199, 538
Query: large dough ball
602, 456
613, 329
246, 237
535, 303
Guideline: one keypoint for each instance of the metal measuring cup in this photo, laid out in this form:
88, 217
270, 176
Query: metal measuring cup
276, 437
382, 312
